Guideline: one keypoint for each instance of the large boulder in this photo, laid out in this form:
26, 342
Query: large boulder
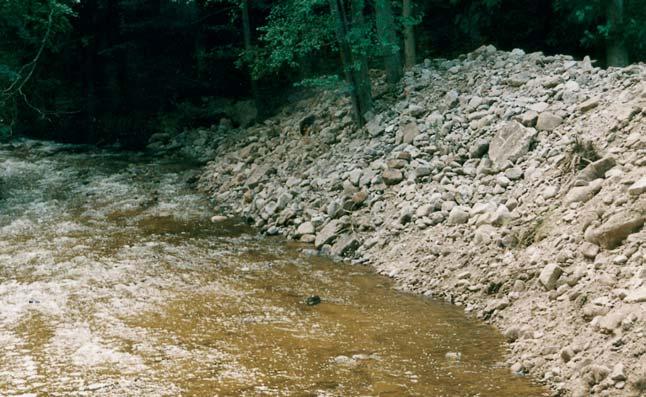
346, 245
329, 233
512, 142
594, 170
615, 230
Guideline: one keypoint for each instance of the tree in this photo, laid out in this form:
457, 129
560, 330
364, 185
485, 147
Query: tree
616, 26
299, 29
616, 49
246, 32
30, 32
387, 35
409, 34
353, 58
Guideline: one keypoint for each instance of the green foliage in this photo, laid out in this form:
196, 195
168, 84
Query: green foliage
590, 16
295, 29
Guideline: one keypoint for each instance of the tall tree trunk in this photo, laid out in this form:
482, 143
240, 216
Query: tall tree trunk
246, 34
388, 38
616, 51
409, 33
364, 88
88, 20
357, 89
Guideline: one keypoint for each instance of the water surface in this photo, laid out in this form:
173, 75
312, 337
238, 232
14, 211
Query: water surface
114, 283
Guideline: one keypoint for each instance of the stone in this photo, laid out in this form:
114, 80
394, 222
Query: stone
548, 121
638, 187
348, 188
581, 194
345, 245
589, 104
597, 373
451, 98
392, 176
550, 275
510, 143
479, 148
360, 197
594, 170
512, 334
615, 230
514, 173
458, 215
549, 191
355, 176
218, 218
422, 171
608, 323
589, 250
409, 132
580, 389
567, 354
636, 296
396, 163
416, 110
305, 228
618, 374
528, 119
329, 233
259, 174
375, 126
423, 210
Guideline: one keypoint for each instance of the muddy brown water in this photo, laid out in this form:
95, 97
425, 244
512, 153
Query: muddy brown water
114, 283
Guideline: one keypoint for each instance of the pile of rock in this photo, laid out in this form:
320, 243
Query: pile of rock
510, 183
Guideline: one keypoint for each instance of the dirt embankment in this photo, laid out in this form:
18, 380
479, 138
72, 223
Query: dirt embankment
509, 183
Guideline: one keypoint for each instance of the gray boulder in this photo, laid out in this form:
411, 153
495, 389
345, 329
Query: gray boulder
329, 233
511, 142
550, 275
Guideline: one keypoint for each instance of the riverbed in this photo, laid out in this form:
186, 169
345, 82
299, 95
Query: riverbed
114, 282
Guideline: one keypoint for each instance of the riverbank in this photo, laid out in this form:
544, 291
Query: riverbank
511, 184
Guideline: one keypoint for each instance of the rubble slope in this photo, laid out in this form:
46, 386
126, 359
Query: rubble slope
509, 183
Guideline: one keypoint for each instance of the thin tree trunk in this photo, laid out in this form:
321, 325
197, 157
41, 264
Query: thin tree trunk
338, 11
616, 51
364, 88
388, 38
409, 33
246, 33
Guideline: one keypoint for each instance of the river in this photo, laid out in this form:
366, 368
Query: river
113, 282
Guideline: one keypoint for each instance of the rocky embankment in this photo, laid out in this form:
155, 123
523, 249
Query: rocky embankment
511, 184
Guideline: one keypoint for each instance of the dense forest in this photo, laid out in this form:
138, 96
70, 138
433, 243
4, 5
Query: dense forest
105, 71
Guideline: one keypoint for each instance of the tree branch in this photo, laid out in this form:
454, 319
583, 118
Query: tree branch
18, 84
